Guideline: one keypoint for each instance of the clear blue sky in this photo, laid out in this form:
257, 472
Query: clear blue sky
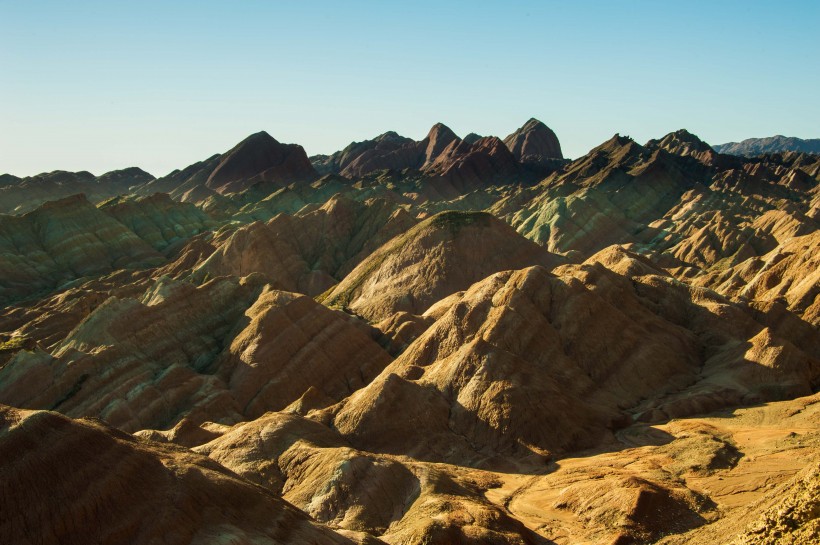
104, 85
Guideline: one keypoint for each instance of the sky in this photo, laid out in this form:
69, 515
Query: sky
105, 85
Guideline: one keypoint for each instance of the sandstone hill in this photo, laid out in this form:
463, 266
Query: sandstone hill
407, 342
80, 481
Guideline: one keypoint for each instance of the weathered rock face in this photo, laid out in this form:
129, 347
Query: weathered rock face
789, 274
505, 357
80, 481
686, 144
534, 143
401, 501
440, 256
293, 345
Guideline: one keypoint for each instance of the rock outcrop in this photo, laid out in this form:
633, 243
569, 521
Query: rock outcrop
534, 143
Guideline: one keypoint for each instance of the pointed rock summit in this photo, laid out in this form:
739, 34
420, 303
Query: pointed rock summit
439, 137
260, 157
534, 143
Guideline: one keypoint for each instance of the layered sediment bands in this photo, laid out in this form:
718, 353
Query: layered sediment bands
79, 481
516, 349
423, 345
158, 220
235, 350
400, 501
292, 345
789, 274
526, 347
441, 255
311, 251
62, 241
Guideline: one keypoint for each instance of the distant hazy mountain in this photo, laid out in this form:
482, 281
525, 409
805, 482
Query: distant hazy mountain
773, 144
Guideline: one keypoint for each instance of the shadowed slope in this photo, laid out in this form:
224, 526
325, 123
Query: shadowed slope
79, 481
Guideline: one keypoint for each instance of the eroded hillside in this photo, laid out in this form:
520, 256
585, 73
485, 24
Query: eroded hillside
451, 340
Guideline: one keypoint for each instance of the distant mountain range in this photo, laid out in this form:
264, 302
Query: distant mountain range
772, 144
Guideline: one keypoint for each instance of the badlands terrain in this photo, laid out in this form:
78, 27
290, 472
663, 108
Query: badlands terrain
451, 340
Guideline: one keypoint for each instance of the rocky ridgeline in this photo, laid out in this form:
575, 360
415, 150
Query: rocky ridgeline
438, 341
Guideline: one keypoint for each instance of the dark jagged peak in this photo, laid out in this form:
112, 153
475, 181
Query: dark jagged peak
260, 157
534, 143
439, 137
463, 166
618, 151
472, 138
685, 144
614, 147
